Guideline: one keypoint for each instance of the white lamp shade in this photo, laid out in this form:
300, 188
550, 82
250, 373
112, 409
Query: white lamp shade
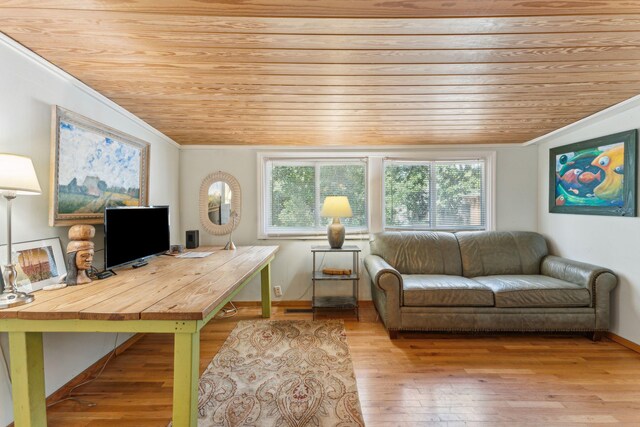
336, 207
18, 175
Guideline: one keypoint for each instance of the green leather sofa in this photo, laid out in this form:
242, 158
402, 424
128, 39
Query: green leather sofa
484, 281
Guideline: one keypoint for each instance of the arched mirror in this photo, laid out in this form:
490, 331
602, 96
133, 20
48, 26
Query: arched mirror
220, 203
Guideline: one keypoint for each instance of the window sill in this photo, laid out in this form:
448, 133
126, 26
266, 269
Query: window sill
445, 230
306, 237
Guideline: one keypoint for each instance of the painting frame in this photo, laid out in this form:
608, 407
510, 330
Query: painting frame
54, 252
93, 129
628, 208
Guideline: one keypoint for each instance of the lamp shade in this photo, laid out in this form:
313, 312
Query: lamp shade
18, 175
336, 207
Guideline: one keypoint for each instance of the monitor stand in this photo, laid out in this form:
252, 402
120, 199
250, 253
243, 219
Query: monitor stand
140, 263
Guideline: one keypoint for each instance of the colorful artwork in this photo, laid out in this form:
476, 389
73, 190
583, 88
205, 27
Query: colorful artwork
595, 176
94, 167
38, 263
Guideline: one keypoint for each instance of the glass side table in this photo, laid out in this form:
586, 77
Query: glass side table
336, 302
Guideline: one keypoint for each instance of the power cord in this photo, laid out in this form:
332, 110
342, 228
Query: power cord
87, 402
228, 312
324, 254
93, 273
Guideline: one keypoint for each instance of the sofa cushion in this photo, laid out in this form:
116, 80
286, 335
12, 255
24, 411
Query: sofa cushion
419, 252
535, 291
442, 290
489, 253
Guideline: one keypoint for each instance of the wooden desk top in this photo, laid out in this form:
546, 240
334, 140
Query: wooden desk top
168, 288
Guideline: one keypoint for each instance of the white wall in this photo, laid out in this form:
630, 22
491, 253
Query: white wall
27, 91
516, 209
611, 242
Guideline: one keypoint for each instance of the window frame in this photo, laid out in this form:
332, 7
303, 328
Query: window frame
307, 158
374, 184
488, 190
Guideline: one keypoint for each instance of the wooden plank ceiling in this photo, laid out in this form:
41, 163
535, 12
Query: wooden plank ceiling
338, 72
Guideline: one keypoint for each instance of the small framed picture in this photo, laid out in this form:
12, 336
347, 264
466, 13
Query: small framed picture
594, 177
38, 262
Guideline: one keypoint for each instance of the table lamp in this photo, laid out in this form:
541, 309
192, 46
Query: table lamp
17, 177
336, 207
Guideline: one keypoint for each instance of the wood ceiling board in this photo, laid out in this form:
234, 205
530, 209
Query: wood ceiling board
489, 92
38, 20
178, 40
339, 73
265, 118
370, 127
163, 55
341, 8
140, 89
360, 70
435, 115
140, 74
204, 121
344, 140
319, 103
379, 132
301, 114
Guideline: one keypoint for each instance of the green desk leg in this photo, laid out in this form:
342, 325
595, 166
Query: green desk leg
265, 277
186, 362
27, 375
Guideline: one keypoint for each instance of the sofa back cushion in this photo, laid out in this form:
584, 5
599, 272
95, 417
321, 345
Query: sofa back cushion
486, 253
419, 252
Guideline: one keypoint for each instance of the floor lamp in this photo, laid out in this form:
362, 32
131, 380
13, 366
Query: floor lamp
17, 178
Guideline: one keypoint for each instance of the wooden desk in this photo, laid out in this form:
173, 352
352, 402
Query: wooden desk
170, 295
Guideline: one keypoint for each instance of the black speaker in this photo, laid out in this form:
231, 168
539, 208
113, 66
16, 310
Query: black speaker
193, 239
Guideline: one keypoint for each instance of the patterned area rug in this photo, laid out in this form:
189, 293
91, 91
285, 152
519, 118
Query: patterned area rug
281, 373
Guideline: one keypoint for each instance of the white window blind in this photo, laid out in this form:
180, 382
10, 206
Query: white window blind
432, 195
296, 188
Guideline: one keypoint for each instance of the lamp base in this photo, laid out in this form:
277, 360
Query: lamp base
13, 299
335, 234
10, 296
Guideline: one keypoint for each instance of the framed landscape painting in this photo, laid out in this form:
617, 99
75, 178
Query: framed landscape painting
594, 177
93, 166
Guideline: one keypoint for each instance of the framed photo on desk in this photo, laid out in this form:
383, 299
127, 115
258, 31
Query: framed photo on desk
38, 262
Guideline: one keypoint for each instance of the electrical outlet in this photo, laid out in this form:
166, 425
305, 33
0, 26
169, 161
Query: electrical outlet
277, 291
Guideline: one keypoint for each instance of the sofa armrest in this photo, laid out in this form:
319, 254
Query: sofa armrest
600, 282
384, 276
386, 290
576, 272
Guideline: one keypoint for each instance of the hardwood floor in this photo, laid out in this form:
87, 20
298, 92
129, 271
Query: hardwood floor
414, 381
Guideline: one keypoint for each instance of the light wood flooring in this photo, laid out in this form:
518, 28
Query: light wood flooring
416, 380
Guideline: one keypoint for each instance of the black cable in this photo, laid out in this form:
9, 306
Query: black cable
75, 398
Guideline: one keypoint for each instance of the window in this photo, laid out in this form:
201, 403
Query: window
294, 190
405, 190
446, 195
